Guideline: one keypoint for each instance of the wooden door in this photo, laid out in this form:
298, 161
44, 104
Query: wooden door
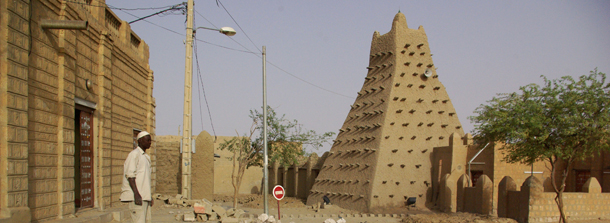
86, 159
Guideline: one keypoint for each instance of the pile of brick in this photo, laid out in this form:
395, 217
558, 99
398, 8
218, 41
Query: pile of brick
203, 210
176, 201
263, 218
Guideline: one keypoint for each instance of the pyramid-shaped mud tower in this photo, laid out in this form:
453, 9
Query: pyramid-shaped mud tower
382, 155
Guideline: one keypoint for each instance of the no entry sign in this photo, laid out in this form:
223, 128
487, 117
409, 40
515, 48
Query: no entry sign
278, 192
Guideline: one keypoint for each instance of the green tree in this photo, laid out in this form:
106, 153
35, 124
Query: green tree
562, 121
286, 141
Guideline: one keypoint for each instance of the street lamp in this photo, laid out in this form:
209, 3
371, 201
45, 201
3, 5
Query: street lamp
224, 30
187, 146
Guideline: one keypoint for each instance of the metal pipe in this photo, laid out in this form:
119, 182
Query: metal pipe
265, 158
63, 24
469, 162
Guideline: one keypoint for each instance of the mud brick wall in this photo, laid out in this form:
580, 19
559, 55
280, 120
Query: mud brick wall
14, 45
169, 176
202, 182
223, 166
532, 204
169, 173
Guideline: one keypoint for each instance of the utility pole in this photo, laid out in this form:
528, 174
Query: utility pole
265, 159
187, 119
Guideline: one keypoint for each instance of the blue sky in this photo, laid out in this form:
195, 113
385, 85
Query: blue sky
480, 48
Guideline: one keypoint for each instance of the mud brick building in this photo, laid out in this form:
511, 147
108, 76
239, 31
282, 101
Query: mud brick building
71, 102
382, 154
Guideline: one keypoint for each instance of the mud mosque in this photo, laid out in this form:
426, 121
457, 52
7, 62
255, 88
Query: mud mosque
382, 153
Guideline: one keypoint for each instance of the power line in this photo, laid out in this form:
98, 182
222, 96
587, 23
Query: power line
103, 5
181, 6
279, 68
223, 6
182, 34
204, 96
83, 3
312, 84
250, 52
134, 9
206, 19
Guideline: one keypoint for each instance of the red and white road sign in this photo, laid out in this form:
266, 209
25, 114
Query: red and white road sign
278, 192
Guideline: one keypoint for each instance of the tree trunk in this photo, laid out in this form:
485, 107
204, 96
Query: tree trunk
559, 190
234, 179
559, 201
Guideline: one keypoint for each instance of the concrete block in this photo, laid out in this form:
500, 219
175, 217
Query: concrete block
189, 217
271, 219
191, 202
263, 217
219, 210
202, 217
230, 212
212, 216
239, 213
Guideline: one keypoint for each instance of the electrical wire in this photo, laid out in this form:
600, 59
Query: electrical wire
206, 19
238, 43
223, 6
312, 84
279, 68
200, 81
181, 7
87, 4
103, 5
182, 34
134, 9
250, 52
202, 89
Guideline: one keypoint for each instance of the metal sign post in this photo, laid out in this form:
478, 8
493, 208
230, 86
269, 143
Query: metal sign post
278, 193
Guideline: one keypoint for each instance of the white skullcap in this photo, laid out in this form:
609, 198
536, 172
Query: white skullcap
142, 134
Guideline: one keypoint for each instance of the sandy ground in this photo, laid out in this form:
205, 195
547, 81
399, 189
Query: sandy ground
294, 210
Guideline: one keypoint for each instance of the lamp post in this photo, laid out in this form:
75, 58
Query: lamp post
188, 82
265, 158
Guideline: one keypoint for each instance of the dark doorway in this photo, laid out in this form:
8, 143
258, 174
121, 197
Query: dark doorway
83, 158
581, 178
475, 176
